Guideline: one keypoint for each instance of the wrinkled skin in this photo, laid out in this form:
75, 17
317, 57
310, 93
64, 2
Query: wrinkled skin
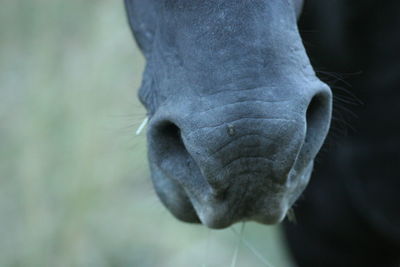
237, 114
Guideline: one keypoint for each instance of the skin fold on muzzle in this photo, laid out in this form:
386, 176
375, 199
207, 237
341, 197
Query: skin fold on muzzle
237, 114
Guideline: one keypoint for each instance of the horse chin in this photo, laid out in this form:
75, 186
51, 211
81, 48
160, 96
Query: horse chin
266, 206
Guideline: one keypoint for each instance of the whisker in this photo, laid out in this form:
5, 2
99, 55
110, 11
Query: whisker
291, 216
235, 254
345, 100
253, 250
142, 125
207, 245
336, 76
352, 96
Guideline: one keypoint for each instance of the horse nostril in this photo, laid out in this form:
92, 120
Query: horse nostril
168, 144
318, 119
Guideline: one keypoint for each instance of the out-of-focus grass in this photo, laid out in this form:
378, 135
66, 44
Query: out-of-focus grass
74, 184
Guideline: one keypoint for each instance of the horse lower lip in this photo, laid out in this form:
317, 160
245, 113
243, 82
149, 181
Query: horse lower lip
215, 214
216, 221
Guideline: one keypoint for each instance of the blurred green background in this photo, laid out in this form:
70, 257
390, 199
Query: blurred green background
74, 181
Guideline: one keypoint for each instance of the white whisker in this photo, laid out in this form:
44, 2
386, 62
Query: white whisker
142, 125
235, 254
253, 250
207, 246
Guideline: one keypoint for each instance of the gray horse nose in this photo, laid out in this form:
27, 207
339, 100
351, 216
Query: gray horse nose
211, 148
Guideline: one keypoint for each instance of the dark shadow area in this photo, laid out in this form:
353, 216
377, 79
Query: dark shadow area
349, 214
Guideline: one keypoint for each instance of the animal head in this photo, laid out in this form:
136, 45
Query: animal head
236, 112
